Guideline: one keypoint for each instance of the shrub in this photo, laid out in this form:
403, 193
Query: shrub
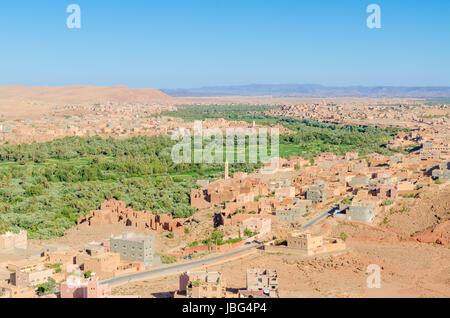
165, 259
195, 243
47, 288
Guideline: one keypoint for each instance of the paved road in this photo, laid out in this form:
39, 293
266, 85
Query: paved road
319, 218
167, 270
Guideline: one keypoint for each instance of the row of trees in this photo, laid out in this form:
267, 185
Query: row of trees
311, 137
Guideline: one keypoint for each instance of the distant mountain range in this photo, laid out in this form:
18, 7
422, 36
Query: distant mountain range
311, 90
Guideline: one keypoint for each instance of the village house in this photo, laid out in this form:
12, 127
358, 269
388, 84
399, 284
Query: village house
299, 209
116, 212
63, 257
362, 211
88, 288
351, 156
109, 265
14, 240
202, 285
228, 190
316, 193
258, 225
261, 283
285, 192
304, 241
12, 291
443, 172
305, 244
133, 247
29, 273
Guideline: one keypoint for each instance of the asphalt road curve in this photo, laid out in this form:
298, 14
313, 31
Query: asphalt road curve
319, 218
168, 270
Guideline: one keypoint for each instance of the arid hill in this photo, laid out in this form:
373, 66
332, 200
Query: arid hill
21, 101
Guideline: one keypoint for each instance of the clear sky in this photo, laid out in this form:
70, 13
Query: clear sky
193, 43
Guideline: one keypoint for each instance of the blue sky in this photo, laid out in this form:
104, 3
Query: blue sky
193, 43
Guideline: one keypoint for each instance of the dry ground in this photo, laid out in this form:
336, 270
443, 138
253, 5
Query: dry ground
408, 270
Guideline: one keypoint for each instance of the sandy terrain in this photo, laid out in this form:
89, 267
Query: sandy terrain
409, 268
20, 102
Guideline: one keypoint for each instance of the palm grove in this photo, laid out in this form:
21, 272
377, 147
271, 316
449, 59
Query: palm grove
45, 187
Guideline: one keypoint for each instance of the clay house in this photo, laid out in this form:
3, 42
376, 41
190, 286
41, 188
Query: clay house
116, 212
405, 187
299, 209
64, 257
351, 156
228, 191
258, 225
317, 193
307, 244
328, 156
386, 191
285, 192
202, 285
12, 291
88, 288
442, 173
378, 160
304, 241
360, 166
359, 181
29, 274
97, 248
14, 240
261, 283
103, 265
298, 162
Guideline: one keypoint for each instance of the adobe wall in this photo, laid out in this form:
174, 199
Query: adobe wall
116, 212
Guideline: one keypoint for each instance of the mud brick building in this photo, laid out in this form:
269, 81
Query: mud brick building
202, 285
261, 283
116, 212
29, 274
257, 225
109, 265
227, 191
91, 288
14, 240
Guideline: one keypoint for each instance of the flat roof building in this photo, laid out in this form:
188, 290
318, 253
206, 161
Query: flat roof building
202, 285
362, 211
133, 247
14, 240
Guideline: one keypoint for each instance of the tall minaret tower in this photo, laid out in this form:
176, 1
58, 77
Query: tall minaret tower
227, 173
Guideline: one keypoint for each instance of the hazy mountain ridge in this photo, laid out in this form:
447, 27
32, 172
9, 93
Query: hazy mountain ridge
311, 90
